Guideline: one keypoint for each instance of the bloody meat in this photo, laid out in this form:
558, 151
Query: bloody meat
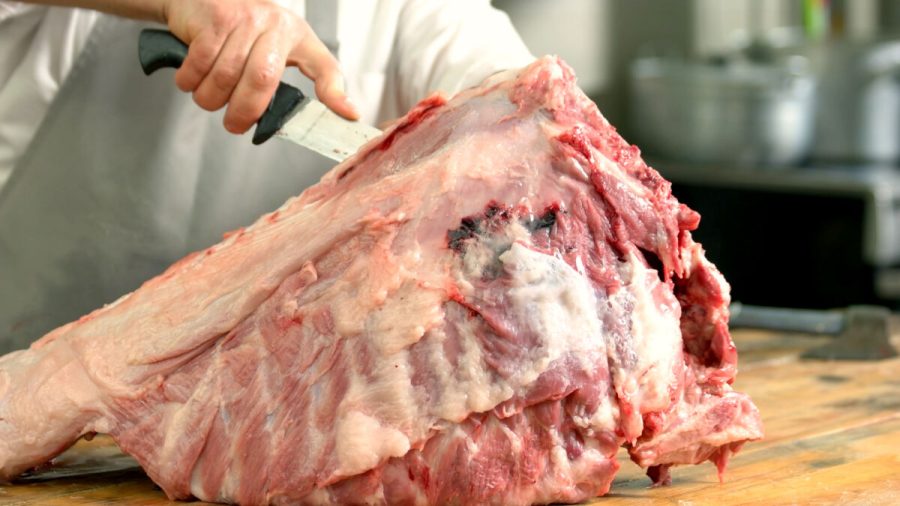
481, 306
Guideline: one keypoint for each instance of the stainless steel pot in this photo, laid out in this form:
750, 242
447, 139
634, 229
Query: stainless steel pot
858, 112
735, 114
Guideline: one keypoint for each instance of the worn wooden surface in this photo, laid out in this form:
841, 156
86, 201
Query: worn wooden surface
832, 437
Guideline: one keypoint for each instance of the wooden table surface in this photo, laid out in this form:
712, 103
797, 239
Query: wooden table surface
832, 437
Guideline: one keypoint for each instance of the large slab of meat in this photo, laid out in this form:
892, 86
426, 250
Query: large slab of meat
481, 306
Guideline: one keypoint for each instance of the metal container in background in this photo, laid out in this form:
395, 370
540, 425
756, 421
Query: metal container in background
737, 113
858, 111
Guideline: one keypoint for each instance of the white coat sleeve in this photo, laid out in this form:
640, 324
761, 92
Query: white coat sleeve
449, 45
38, 48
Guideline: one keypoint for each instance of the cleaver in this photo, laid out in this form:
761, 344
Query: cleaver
291, 115
860, 332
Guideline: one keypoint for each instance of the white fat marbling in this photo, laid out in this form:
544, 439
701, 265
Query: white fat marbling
390, 327
555, 302
548, 299
362, 443
655, 334
479, 255
477, 388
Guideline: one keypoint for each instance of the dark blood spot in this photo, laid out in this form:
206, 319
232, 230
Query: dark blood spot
493, 209
494, 219
467, 229
546, 220
496, 212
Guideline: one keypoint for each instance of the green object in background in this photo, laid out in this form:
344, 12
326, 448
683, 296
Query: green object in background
816, 18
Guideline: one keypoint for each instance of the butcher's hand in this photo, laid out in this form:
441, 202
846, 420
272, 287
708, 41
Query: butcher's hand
238, 51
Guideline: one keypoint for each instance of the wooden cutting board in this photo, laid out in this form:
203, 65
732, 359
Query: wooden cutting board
832, 437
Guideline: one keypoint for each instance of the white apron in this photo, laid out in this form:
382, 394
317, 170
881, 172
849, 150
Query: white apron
126, 175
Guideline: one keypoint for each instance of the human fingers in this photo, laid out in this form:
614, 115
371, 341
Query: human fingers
258, 82
220, 82
202, 54
204, 25
312, 57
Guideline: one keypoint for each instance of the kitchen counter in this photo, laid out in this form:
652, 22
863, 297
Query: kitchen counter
832, 436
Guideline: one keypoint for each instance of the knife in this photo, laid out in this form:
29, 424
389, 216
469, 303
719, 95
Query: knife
291, 115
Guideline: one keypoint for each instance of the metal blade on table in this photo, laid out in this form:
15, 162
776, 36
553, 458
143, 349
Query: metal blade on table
318, 128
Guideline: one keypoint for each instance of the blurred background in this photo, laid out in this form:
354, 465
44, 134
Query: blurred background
777, 120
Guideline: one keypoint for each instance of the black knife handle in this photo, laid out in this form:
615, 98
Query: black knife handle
280, 109
160, 48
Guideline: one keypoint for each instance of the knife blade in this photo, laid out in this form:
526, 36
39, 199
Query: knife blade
291, 115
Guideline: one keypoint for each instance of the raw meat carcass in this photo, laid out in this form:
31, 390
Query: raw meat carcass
481, 306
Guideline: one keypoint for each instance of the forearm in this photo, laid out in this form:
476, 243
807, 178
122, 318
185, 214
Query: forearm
153, 10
